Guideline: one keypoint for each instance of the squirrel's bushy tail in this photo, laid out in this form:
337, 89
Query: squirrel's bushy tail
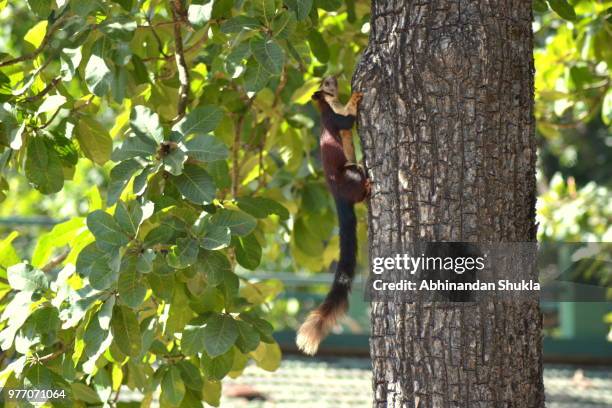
323, 318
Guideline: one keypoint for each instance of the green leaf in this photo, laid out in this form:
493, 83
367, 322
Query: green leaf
120, 176
8, 255
159, 235
540, 6
199, 14
173, 162
85, 394
70, 60
219, 171
36, 35
267, 356
206, 148
563, 9
94, 140
184, 254
256, 76
264, 9
318, 46
172, 386
51, 104
106, 313
119, 27
43, 167
215, 264
98, 76
195, 184
45, 320
248, 251
192, 340
284, 24
145, 123
191, 375
269, 54
301, 7
238, 53
260, 207
106, 230
218, 367
92, 261
261, 292
248, 337
162, 286
238, 222
126, 332
211, 393
41, 8
264, 328
144, 264
41, 378
102, 274
180, 313
132, 290
239, 23
125, 4
216, 237
140, 181
61, 234
220, 334
128, 217
134, 146
141, 75
25, 278
200, 121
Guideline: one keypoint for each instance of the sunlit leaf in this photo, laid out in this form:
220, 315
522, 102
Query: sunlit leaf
94, 140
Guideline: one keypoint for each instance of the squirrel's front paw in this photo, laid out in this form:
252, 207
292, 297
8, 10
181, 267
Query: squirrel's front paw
356, 97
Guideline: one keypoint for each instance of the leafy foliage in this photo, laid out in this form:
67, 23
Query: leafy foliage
572, 79
195, 116
177, 175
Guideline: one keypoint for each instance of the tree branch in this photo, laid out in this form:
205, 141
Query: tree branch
27, 57
51, 356
55, 262
45, 91
181, 63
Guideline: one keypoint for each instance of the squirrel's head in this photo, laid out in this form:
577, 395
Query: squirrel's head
329, 86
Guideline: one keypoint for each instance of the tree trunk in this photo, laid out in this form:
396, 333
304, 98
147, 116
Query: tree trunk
447, 130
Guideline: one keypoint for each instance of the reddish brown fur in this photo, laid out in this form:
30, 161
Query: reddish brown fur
318, 325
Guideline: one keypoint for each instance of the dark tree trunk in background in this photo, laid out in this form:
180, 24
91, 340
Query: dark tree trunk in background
448, 135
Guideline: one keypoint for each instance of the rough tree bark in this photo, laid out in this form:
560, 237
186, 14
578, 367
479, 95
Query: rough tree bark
448, 135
